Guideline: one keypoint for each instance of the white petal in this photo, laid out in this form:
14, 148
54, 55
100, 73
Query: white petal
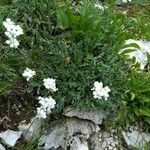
8, 41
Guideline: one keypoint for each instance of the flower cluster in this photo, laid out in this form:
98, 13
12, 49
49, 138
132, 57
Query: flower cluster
50, 84
125, 1
46, 104
99, 91
100, 6
28, 74
13, 31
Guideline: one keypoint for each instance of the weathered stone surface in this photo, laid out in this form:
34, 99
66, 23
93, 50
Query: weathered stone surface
102, 141
2, 147
32, 129
79, 143
94, 116
10, 137
61, 132
136, 139
140, 54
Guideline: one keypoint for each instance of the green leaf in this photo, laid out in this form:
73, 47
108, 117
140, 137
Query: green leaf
134, 45
145, 90
147, 119
62, 18
145, 99
129, 50
145, 111
132, 96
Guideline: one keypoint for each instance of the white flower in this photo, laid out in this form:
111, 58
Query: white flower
99, 92
8, 23
16, 31
46, 104
99, 6
8, 34
125, 12
49, 83
125, 1
13, 31
140, 54
12, 42
28, 73
41, 113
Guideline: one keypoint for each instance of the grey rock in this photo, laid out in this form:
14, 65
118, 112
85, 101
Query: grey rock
94, 116
136, 139
101, 141
96, 142
79, 143
61, 132
10, 137
2, 147
32, 129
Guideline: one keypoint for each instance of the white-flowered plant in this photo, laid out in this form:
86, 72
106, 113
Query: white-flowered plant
50, 84
13, 31
99, 91
46, 104
28, 74
99, 6
125, 1
140, 54
12, 42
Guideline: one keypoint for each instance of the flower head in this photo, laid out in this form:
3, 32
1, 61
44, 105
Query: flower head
41, 113
16, 31
13, 31
50, 84
46, 104
125, 1
100, 6
8, 23
12, 42
28, 73
99, 91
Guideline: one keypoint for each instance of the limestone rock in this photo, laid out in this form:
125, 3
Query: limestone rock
61, 132
32, 129
79, 144
10, 137
2, 147
101, 141
94, 116
140, 54
136, 139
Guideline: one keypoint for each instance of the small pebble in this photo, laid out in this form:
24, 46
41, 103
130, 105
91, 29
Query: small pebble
104, 144
113, 144
110, 147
